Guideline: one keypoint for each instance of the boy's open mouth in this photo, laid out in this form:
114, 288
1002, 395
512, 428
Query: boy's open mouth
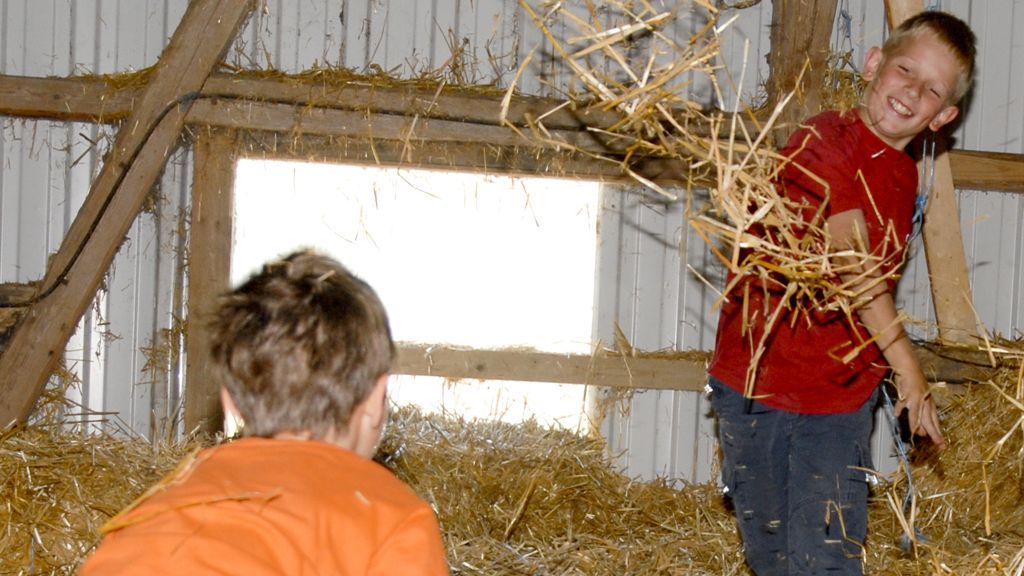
899, 107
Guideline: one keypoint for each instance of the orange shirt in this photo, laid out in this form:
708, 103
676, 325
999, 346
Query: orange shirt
259, 507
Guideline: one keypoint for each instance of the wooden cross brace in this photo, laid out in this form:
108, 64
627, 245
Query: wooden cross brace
143, 144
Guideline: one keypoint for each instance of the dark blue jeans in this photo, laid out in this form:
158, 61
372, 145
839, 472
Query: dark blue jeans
797, 483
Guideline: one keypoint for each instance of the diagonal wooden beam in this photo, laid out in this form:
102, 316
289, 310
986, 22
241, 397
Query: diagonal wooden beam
143, 143
943, 239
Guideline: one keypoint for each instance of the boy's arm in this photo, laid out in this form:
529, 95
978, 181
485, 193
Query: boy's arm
849, 229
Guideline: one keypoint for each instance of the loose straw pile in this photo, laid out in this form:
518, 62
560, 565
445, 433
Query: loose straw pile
59, 485
968, 506
523, 499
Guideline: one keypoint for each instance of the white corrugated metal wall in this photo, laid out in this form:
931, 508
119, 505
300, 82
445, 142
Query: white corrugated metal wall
46, 167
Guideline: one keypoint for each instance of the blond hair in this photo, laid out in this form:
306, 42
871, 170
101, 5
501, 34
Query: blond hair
948, 29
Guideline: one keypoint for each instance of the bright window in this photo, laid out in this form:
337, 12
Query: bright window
457, 258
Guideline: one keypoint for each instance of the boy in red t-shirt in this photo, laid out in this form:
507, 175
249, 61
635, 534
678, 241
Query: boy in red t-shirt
304, 350
795, 452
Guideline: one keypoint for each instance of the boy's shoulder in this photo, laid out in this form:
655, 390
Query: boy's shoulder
829, 125
826, 137
267, 466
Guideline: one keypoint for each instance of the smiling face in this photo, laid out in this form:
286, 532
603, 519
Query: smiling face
909, 89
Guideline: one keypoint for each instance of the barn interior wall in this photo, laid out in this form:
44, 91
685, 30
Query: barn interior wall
644, 282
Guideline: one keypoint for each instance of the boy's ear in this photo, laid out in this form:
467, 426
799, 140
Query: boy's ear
375, 404
872, 61
233, 420
227, 403
945, 116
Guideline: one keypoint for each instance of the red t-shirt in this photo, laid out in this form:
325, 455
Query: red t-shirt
801, 369
264, 507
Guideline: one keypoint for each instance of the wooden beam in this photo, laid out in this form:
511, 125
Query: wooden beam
82, 99
801, 35
991, 171
94, 99
947, 263
462, 156
235, 100
209, 269
470, 104
896, 11
955, 365
531, 366
289, 119
135, 162
652, 372
943, 239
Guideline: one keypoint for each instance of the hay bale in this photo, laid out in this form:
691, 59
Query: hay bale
59, 486
970, 498
524, 499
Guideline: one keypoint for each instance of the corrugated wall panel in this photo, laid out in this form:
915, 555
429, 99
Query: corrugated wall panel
83, 354
410, 37
745, 44
659, 305
992, 221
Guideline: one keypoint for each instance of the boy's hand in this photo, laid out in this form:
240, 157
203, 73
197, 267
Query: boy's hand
919, 403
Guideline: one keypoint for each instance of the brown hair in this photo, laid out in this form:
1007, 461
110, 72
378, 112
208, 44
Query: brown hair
300, 344
951, 31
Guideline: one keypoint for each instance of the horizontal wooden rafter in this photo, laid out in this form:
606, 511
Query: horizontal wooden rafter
532, 366
290, 106
650, 372
462, 156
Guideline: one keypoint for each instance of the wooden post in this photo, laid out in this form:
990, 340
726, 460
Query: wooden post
943, 239
800, 35
209, 270
947, 264
129, 171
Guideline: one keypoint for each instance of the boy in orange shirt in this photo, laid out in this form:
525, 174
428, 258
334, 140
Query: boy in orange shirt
795, 452
304, 350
